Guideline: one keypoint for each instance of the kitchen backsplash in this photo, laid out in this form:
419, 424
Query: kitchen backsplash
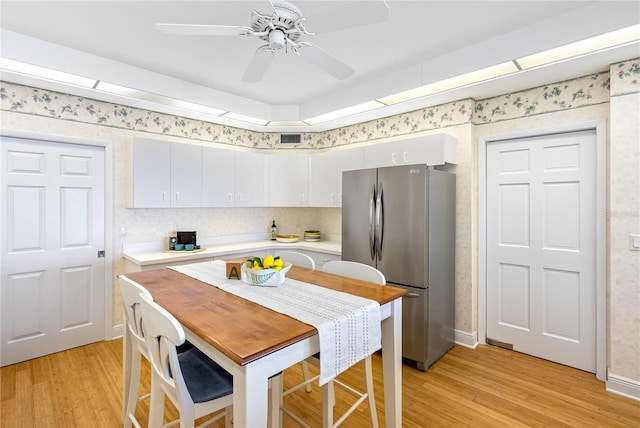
147, 225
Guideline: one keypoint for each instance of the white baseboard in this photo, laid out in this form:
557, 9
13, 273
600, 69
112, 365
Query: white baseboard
470, 340
623, 386
117, 331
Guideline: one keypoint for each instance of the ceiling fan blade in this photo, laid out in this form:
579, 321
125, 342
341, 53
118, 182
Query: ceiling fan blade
326, 62
258, 65
199, 30
354, 14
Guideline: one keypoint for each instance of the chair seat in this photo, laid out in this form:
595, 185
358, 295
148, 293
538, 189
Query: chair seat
205, 379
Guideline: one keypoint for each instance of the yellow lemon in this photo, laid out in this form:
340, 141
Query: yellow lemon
267, 262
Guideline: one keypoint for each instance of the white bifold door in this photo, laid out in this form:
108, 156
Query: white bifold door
541, 255
53, 272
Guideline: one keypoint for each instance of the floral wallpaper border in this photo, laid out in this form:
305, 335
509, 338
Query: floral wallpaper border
565, 95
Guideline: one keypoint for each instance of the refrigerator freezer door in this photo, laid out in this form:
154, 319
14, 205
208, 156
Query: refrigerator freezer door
415, 325
358, 212
404, 230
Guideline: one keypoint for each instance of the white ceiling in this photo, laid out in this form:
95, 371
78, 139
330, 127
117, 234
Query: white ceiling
423, 41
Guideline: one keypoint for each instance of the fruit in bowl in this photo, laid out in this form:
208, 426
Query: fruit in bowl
269, 271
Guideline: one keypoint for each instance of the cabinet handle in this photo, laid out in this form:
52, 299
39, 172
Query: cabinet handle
332, 197
302, 199
177, 196
340, 198
229, 197
239, 197
164, 196
412, 295
404, 157
393, 158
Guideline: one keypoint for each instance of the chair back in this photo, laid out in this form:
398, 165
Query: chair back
162, 334
131, 297
297, 259
354, 270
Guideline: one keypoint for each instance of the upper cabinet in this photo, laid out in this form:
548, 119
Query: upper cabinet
165, 175
431, 150
325, 183
251, 179
176, 175
232, 178
288, 180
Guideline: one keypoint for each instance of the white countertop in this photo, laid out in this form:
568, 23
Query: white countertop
142, 255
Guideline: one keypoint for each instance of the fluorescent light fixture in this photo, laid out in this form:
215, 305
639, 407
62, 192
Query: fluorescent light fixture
158, 99
286, 123
348, 111
610, 40
467, 79
31, 70
243, 118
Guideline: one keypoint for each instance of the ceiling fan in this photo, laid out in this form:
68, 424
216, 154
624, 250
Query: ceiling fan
284, 28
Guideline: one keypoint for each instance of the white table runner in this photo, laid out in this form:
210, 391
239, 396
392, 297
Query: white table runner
348, 326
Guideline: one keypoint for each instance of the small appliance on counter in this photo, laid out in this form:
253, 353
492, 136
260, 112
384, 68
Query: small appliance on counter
184, 241
185, 238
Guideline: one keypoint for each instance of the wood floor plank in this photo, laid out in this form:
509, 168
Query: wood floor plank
483, 387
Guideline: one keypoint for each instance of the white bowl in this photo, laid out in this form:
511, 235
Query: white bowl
264, 277
287, 238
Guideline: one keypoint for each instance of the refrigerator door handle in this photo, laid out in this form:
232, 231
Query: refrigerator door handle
380, 221
372, 231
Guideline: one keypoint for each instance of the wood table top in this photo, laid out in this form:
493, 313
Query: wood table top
245, 331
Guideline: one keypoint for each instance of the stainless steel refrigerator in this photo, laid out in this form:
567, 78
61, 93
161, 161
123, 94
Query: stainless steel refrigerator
401, 220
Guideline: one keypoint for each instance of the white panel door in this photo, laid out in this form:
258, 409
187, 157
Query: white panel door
53, 282
541, 255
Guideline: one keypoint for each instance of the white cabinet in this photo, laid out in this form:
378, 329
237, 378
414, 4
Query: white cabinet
435, 149
288, 180
251, 179
165, 175
218, 177
186, 176
325, 183
233, 178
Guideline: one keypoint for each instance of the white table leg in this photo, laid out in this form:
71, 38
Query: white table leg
392, 365
250, 397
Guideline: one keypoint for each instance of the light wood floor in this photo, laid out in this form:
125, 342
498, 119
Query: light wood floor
485, 387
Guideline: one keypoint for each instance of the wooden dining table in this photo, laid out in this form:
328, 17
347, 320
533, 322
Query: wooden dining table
253, 343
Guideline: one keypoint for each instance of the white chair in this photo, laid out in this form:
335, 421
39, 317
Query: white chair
134, 348
194, 383
365, 273
297, 259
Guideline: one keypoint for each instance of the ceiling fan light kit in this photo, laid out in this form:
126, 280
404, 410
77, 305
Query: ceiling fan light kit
283, 29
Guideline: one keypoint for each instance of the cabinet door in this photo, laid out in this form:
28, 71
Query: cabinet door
251, 178
218, 177
323, 179
430, 150
348, 160
186, 175
151, 174
288, 180
382, 154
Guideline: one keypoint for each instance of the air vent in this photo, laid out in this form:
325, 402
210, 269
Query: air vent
289, 138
